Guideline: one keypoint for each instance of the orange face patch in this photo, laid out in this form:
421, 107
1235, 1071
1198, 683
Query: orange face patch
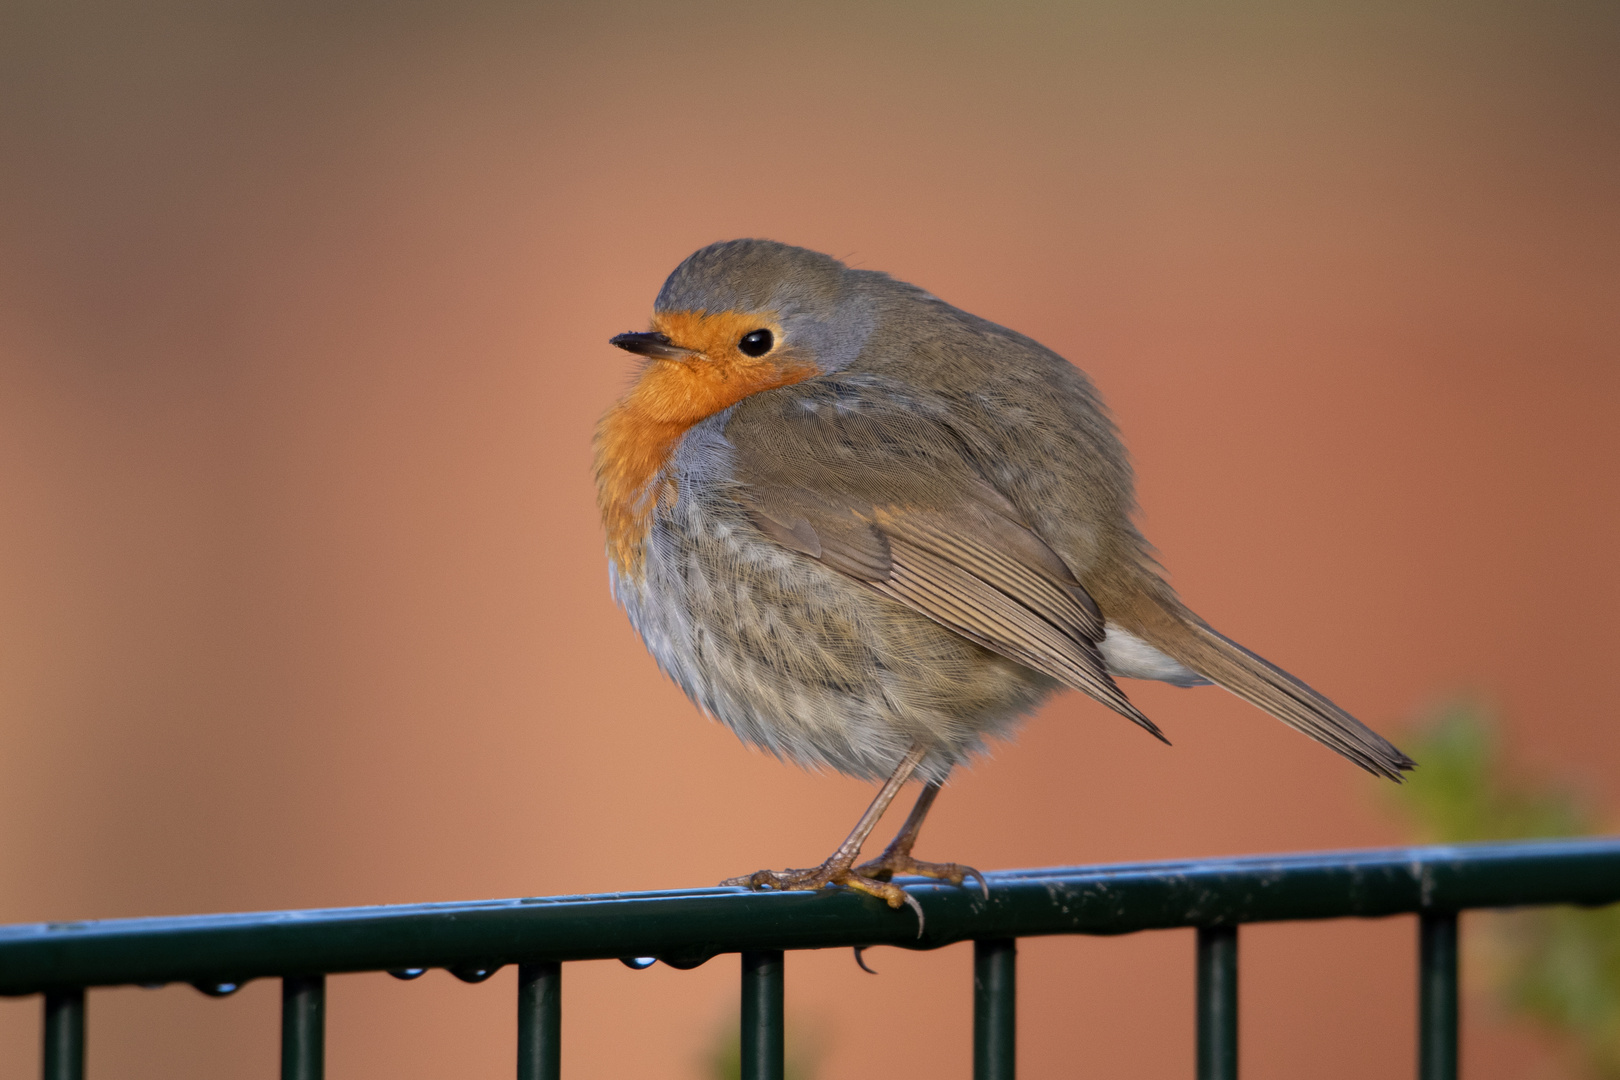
636, 438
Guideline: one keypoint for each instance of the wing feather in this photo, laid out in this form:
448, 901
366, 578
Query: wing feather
893, 500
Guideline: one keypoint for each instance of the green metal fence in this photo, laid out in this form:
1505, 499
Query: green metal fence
685, 928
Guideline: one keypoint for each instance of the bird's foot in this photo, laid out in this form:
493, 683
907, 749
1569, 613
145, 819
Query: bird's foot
835, 871
893, 862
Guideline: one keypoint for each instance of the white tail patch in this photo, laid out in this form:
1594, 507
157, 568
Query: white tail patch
1128, 656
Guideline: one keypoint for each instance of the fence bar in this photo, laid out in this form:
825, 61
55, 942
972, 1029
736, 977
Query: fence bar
64, 1035
691, 925
995, 1009
303, 1027
539, 1055
762, 1039
1217, 1003
1437, 996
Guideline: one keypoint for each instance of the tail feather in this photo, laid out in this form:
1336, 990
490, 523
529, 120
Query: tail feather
1256, 680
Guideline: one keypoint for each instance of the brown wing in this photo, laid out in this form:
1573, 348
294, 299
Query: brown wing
893, 500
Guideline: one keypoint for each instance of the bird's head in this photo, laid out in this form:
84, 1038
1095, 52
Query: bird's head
743, 316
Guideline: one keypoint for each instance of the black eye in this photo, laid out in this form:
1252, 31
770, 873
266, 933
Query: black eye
756, 342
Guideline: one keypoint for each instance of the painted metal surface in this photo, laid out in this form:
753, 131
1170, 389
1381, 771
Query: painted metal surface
63, 1057
1438, 1010
303, 1027
539, 1055
685, 927
995, 1009
763, 1049
1217, 995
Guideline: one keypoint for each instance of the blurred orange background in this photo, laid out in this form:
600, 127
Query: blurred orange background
303, 333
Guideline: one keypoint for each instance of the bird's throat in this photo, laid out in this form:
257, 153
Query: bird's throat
638, 436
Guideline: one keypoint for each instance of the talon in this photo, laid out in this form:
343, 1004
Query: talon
889, 894
860, 961
832, 872
891, 862
917, 907
788, 880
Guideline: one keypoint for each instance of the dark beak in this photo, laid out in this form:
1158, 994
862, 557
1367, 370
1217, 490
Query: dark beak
652, 345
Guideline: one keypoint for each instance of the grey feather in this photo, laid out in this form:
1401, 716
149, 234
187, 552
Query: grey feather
917, 545
891, 499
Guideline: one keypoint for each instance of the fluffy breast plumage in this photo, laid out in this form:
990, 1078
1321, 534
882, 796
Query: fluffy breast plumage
792, 656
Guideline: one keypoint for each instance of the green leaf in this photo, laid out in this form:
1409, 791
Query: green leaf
1559, 967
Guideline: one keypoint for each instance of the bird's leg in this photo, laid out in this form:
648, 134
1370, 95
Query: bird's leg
896, 858
837, 869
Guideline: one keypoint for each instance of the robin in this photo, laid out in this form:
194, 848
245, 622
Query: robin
867, 530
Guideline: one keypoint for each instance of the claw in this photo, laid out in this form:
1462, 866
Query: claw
860, 961
917, 907
759, 879
893, 862
829, 873
783, 880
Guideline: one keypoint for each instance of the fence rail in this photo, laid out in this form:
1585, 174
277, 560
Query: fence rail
685, 928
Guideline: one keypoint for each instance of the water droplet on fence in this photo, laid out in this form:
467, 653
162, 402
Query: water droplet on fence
474, 973
640, 963
407, 973
218, 989
687, 961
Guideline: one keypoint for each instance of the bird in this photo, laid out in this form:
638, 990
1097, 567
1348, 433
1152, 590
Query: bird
869, 531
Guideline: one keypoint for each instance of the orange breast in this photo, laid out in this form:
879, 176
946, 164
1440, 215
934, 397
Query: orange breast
636, 438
